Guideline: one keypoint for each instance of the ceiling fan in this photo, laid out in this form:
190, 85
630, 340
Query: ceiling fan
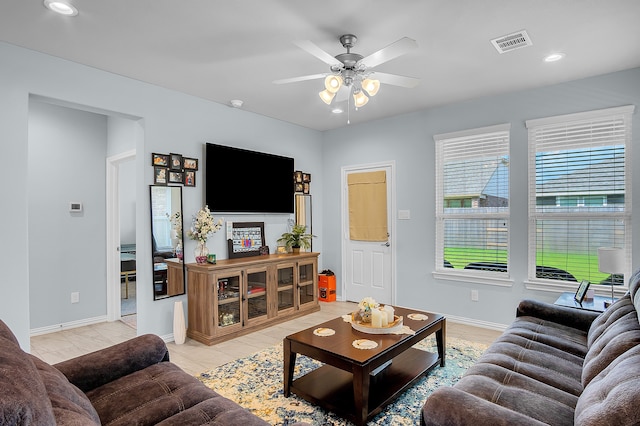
352, 74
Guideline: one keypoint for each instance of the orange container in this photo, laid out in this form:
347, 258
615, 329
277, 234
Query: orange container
327, 288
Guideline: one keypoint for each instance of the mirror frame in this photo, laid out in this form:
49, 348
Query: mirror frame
157, 271
304, 213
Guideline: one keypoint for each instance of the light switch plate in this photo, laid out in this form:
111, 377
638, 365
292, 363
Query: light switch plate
404, 214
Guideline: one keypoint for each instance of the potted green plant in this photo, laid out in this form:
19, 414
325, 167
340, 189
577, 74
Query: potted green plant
296, 239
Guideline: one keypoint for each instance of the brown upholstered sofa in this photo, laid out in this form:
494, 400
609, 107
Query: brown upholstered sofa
553, 365
132, 383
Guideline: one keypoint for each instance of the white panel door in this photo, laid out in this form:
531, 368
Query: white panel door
368, 266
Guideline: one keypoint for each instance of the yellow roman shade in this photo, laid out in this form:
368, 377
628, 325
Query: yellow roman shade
368, 206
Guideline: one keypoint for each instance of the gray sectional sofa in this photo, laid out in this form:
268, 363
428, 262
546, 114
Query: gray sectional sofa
553, 365
132, 383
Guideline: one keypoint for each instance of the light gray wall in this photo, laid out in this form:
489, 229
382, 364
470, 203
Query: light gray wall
170, 122
408, 140
66, 160
127, 179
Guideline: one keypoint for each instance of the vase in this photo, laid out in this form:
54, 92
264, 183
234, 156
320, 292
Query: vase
179, 250
201, 252
179, 328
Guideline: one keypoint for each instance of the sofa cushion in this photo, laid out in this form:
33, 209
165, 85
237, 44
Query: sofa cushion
70, 405
612, 333
611, 397
160, 391
21, 388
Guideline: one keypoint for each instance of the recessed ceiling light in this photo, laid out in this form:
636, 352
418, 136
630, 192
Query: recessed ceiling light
61, 7
337, 110
554, 57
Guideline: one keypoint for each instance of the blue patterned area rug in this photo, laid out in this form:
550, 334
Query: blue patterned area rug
255, 382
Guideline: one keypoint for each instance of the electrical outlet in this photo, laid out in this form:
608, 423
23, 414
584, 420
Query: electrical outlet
75, 297
474, 295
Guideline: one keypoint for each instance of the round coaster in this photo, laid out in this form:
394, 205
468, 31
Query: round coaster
364, 344
323, 332
417, 317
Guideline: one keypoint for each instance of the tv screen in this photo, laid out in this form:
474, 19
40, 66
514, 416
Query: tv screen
242, 181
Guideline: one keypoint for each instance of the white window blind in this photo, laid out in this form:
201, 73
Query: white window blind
579, 193
472, 201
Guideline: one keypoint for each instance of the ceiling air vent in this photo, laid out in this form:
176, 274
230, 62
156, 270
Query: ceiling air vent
511, 42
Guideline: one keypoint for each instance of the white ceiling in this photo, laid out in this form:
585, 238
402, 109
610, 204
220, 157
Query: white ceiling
223, 50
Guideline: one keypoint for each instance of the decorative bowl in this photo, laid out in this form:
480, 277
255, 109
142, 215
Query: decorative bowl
393, 327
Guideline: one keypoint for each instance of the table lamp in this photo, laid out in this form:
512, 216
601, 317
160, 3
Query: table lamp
611, 261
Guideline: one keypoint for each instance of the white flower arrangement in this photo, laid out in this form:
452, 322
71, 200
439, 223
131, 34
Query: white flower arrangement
367, 304
203, 225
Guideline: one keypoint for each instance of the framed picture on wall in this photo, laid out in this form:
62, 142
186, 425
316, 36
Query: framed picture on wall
160, 175
189, 178
306, 177
176, 177
298, 187
190, 163
175, 162
297, 176
305, 188
160, 160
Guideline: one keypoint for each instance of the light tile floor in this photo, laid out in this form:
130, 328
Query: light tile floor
195, 357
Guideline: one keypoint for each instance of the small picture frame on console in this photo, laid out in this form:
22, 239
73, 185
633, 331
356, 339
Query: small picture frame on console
582, 291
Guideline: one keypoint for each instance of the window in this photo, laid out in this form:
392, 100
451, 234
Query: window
472, 201
578, 183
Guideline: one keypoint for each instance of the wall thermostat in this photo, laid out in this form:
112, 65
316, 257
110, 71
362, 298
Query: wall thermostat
75, 207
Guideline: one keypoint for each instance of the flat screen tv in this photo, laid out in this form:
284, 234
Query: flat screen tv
243, 181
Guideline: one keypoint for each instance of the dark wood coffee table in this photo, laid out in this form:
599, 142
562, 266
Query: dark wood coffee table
358, 383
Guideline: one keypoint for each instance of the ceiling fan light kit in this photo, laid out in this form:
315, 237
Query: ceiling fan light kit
327, 96
353, 72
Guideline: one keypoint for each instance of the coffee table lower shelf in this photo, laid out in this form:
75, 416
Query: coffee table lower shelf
332, 388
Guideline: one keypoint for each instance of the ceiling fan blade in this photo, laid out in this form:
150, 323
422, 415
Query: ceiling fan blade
301, 78
396, 80
312, 48
390, 52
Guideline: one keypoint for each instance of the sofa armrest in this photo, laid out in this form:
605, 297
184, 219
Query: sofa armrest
97, 368
571, 317
450, 406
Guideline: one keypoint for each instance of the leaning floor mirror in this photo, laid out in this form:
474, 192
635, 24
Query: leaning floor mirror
166, 241
304, 215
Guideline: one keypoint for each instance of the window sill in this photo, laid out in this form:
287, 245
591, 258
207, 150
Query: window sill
486, 279
554, 287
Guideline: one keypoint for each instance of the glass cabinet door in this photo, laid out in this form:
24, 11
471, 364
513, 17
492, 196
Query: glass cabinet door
306, 273
256, 293
228, 299
285, 275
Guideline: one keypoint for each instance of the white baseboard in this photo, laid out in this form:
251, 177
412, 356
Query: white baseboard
167, 337
67, 325
468, 321
476, 323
